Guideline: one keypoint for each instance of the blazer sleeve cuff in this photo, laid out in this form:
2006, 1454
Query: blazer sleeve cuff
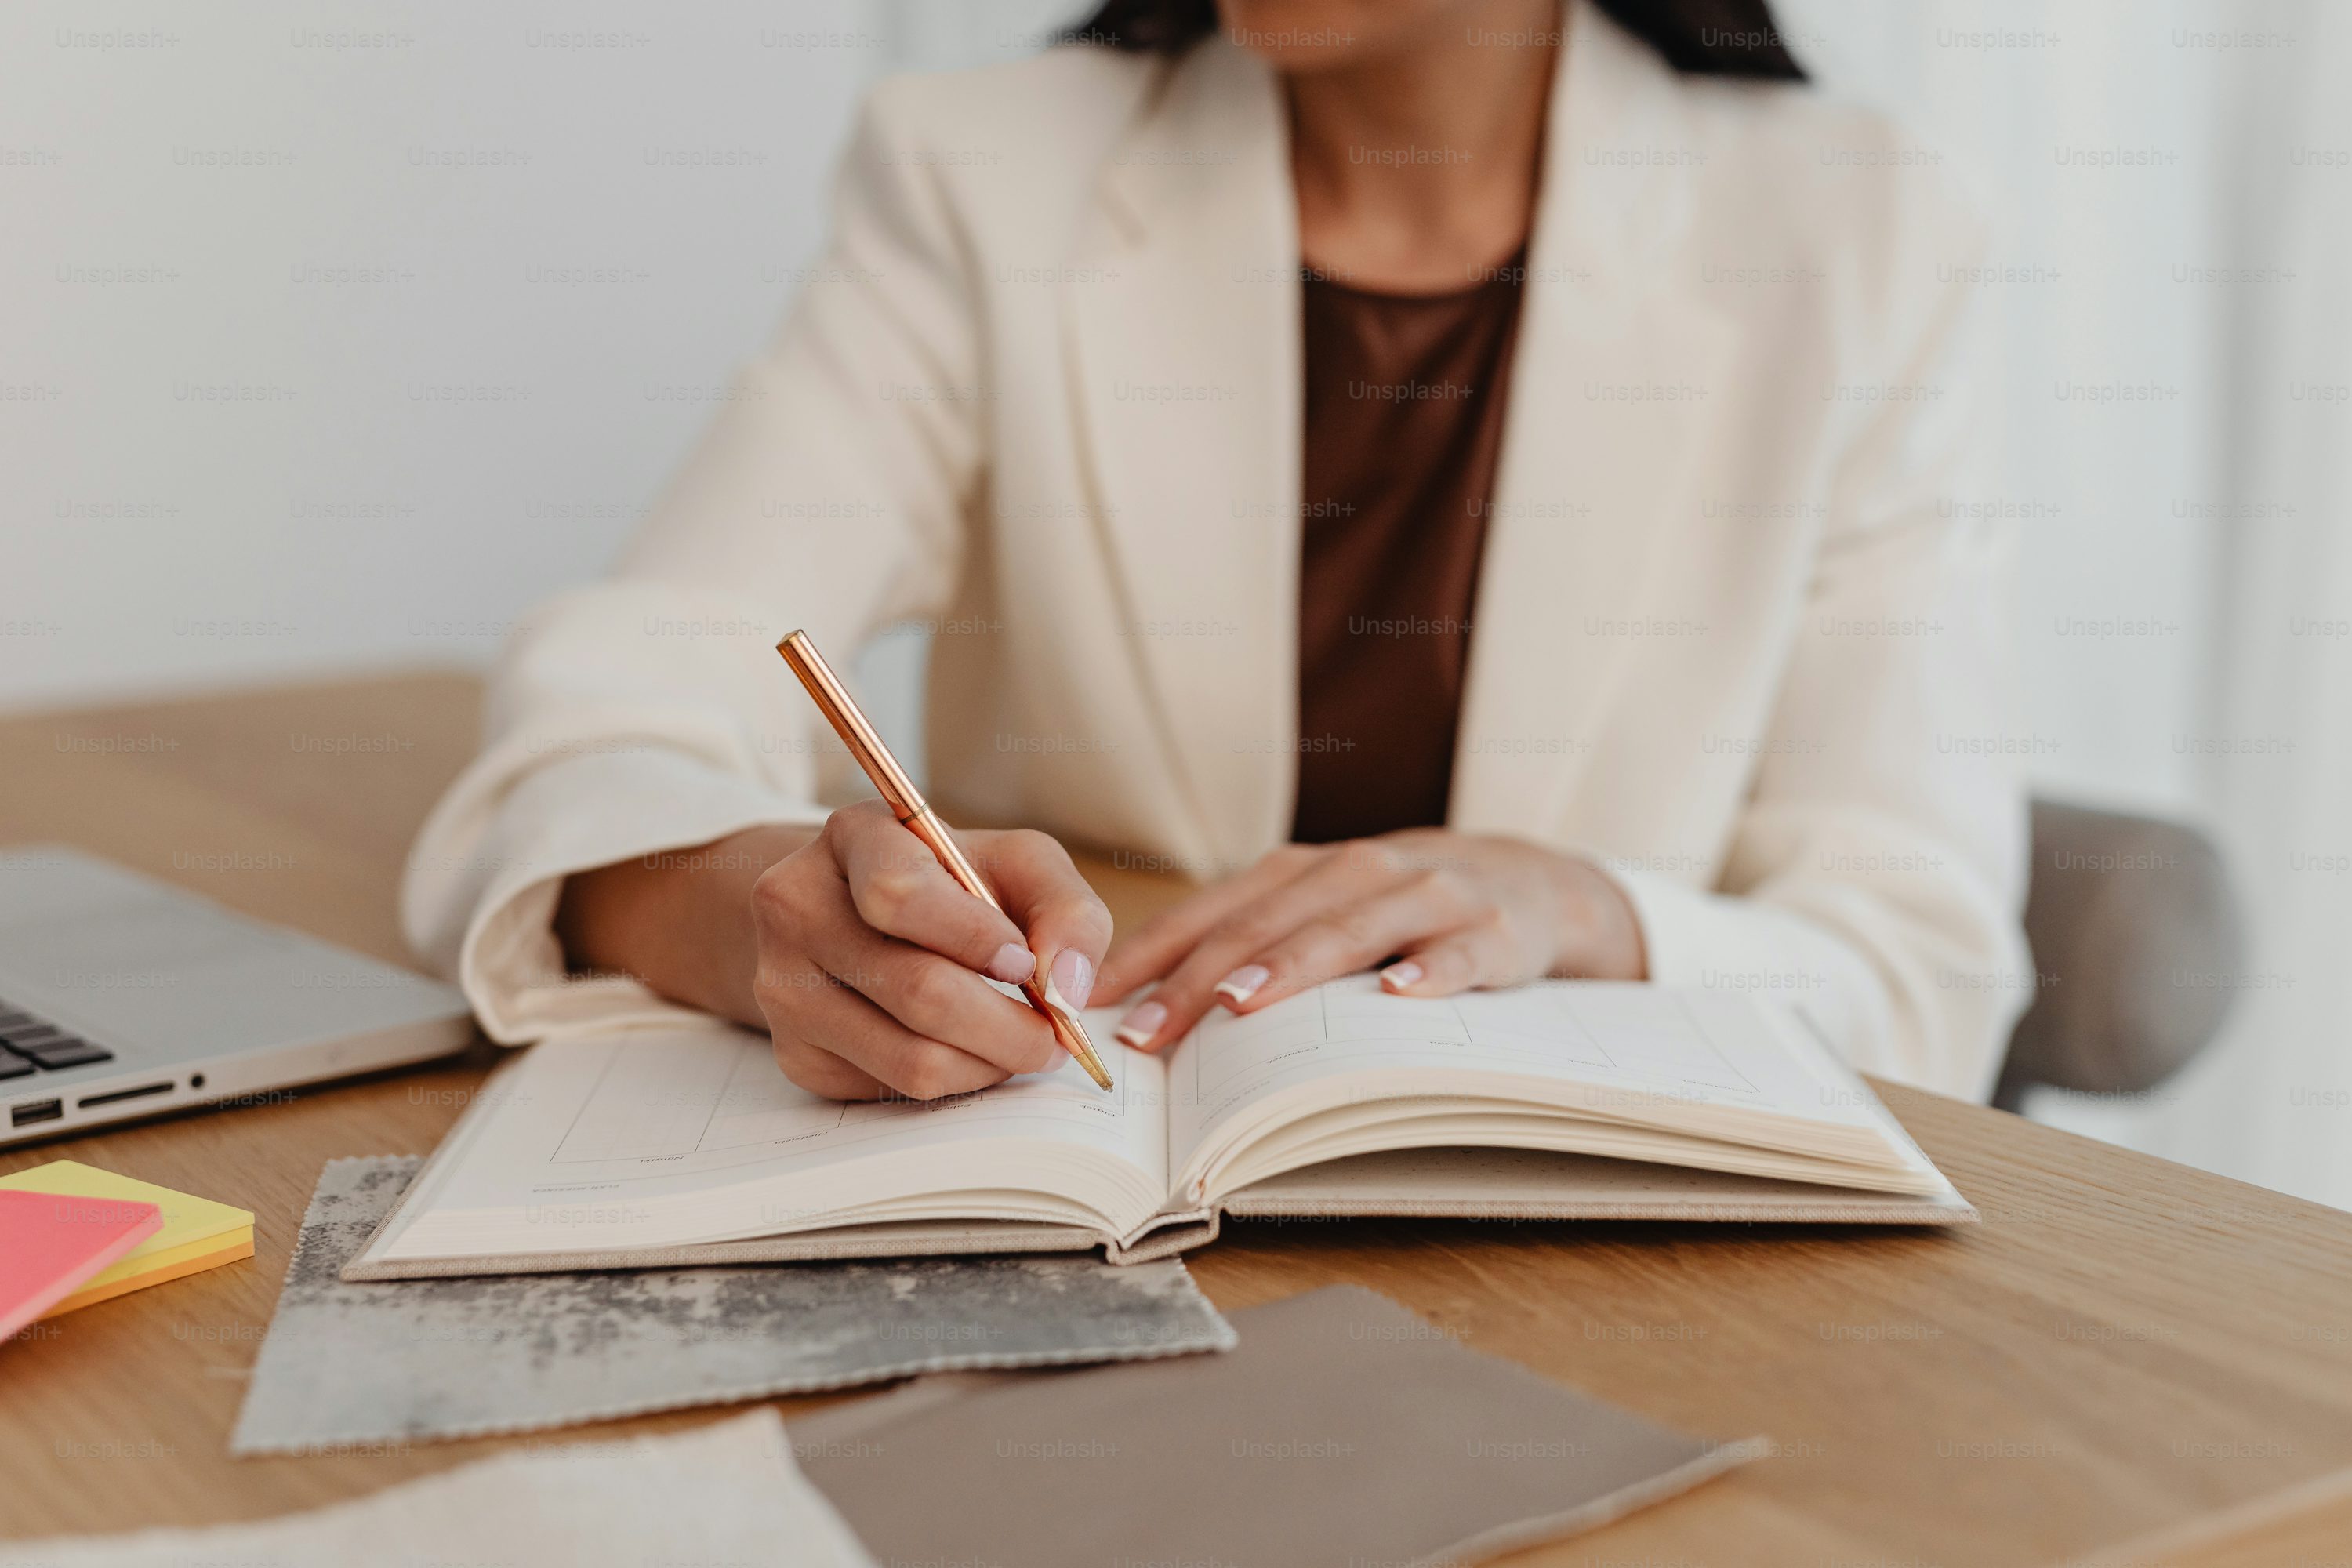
573, 816
1713, 942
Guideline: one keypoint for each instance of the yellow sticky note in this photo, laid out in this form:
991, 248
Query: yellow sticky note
197, 1233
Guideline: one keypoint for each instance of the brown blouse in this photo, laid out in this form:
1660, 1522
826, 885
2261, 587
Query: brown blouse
1404, 418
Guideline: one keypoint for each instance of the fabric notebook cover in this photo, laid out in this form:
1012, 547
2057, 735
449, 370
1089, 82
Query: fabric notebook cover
1342, 1431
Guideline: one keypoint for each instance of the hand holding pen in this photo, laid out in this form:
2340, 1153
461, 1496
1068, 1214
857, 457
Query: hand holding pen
928, 908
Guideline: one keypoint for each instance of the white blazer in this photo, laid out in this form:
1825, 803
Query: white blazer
1732, 638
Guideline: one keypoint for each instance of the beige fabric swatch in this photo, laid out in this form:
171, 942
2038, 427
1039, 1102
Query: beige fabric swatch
724, 1493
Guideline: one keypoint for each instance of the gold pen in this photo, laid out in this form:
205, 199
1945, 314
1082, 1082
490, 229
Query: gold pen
907, 803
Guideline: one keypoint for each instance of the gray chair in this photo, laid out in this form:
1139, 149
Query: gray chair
2135, 935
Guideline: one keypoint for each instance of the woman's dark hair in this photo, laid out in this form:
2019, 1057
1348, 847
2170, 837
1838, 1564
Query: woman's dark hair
1703, 38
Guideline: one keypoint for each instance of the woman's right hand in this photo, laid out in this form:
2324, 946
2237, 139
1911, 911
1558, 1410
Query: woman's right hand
855, 948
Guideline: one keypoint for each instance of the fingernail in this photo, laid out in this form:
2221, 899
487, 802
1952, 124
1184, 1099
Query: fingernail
1402, 973
1072, 980
1013, 964
1242, 982
1137, 1027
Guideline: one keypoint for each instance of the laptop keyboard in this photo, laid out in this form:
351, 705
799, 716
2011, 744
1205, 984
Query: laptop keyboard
28, 1045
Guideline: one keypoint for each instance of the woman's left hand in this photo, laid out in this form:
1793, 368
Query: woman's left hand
1455, 912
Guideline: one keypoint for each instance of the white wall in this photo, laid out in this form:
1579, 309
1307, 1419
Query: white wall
333, 338
2115, 611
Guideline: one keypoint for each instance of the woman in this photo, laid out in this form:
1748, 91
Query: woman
1460, 477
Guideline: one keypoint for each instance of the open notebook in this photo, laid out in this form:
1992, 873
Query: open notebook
1563, 1099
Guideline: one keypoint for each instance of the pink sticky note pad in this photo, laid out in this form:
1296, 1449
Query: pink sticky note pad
49, 1244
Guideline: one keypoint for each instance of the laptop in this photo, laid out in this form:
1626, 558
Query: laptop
121, 997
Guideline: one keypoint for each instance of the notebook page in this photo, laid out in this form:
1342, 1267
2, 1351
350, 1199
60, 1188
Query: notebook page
605, 1124
1642, 1047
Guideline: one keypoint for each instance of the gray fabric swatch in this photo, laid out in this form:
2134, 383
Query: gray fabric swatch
1343, 1431
455, 1358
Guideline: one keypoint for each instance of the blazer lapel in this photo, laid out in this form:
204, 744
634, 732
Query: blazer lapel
1614, 379
1185, 332
1182, 319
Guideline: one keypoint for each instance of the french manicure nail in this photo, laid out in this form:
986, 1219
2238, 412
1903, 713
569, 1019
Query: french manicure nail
1402, 973
1137, 1027
1242, 983
1013, 964
1072, 980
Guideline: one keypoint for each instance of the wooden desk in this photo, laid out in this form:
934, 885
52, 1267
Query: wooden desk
2126, 1352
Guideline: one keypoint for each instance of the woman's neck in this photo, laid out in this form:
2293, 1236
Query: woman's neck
1416, 171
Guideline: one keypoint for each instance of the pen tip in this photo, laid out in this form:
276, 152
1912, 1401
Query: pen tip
1083, 1048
